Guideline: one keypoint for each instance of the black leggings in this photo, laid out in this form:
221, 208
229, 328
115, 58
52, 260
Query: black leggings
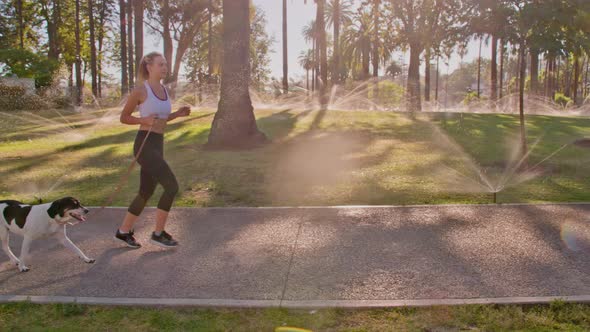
154, 170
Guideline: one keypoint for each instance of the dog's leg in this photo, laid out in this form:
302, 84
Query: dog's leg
4, 238
24, 253
63, 238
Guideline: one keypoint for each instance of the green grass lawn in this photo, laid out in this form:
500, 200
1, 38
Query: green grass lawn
315, 158
557, 316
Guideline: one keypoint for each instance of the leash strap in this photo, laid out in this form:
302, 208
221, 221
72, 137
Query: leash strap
125, 176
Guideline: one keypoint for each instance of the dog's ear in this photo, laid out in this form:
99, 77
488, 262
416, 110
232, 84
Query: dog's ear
55, 209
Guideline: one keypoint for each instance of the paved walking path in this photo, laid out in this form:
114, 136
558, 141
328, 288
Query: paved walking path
325, 256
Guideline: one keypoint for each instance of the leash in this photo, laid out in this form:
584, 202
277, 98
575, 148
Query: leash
125, 176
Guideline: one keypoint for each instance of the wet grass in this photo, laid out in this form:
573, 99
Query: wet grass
315, 158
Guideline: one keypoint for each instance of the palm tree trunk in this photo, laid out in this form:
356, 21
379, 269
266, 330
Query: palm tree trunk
375, 56
234, 125
124, 72
314, 64
494, 74
336, 55
285, 63
320, 20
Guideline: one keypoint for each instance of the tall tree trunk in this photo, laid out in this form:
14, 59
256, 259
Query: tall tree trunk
180, 50
336, 55
523, 145
313, 64
130, 57
568, 87
53, 20
321, 26
576, 78
494, 78
413, 88
166, 34
124, 70
376, 44
93, 65
375, 48
21, 24
427, 75
285, 58
138, 9
366, 59
437, 76
502, 51
547, 81
534, 71
234, 124
585, 86
557, 78
71, 81
78, 57
210, 41
100, 35
518, 71
479, 69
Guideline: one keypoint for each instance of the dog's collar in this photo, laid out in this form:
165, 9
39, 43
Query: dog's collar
52, 211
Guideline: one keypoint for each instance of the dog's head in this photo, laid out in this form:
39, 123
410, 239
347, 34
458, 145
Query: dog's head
65, 209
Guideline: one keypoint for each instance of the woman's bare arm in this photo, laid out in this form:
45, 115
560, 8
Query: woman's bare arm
135, 98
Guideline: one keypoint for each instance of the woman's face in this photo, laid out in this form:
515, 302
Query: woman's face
158, 68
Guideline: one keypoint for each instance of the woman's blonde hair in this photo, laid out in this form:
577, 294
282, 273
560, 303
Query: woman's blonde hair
142, 72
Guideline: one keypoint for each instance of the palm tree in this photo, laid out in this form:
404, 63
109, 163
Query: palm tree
306, 61
323, 51
356, 41
285, 65
338, 12
309, 34
234, 125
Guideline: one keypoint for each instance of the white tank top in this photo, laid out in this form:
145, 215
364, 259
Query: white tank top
154, 105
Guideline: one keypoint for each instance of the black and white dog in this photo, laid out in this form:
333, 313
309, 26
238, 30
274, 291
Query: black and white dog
35, 221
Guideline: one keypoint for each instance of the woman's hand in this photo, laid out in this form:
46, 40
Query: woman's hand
183, 111
149, 120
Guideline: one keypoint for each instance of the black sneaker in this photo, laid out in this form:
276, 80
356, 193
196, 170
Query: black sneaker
163, 240
128, 239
